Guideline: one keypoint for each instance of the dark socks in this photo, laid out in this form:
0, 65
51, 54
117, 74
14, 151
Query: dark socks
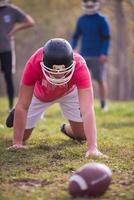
103, 103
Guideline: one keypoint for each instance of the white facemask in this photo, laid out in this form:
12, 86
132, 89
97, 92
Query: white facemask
64, 74
90, 8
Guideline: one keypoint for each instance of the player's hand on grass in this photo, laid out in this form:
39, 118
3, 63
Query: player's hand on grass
17, 146
95, 153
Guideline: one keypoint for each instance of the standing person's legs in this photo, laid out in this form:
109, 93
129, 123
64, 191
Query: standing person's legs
103, 93
10, 89
6, 65
71, 111
98, 73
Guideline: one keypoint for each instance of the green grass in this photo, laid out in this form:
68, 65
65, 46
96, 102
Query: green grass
42, 171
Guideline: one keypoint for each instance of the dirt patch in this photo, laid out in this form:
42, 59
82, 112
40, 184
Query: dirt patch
30, 183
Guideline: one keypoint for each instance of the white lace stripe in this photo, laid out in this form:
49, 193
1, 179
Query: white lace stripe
80, 181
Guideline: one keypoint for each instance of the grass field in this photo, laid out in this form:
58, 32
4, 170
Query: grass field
42, 171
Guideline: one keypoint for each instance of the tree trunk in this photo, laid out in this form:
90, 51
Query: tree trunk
120, 51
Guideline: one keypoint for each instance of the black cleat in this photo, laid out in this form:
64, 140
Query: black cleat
10, 118
63, 130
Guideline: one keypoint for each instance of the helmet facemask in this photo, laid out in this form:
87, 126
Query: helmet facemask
57, 62
90, 6
59, 74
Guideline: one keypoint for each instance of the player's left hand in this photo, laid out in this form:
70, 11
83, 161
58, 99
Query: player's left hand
95, 153
17, 146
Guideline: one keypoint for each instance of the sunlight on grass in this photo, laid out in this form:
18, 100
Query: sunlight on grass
42, 171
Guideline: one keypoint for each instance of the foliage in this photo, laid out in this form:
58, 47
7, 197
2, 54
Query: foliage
42, 171
57, 19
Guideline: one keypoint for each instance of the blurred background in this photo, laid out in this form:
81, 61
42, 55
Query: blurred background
57, 18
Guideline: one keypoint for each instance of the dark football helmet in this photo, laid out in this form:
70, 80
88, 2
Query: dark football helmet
90, 6
3, 3
57, 63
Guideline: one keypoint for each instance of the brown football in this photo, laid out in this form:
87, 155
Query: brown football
92, 179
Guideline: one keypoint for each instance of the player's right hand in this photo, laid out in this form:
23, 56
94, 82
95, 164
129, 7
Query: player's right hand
95, 153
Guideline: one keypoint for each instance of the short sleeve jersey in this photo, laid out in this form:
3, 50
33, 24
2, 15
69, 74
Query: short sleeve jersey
9, 15
47, 92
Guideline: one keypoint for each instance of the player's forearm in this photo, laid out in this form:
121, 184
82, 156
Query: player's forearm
19, 125
90, 130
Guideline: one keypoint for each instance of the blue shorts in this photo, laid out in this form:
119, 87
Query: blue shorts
96, 68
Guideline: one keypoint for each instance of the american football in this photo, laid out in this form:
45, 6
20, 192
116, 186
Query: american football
91, 180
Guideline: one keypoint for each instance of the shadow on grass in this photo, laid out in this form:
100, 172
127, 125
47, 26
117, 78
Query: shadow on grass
117, 125
52, 152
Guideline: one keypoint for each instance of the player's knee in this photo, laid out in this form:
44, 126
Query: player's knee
27, 134
80, 135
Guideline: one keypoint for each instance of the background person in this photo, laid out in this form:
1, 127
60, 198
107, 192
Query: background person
93, 29
54, 74
12, 20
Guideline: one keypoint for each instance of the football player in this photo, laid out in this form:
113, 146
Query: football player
55, 74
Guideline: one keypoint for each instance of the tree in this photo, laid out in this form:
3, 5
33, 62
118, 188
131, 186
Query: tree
121, 57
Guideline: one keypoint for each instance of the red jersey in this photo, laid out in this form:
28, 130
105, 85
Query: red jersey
47, 92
